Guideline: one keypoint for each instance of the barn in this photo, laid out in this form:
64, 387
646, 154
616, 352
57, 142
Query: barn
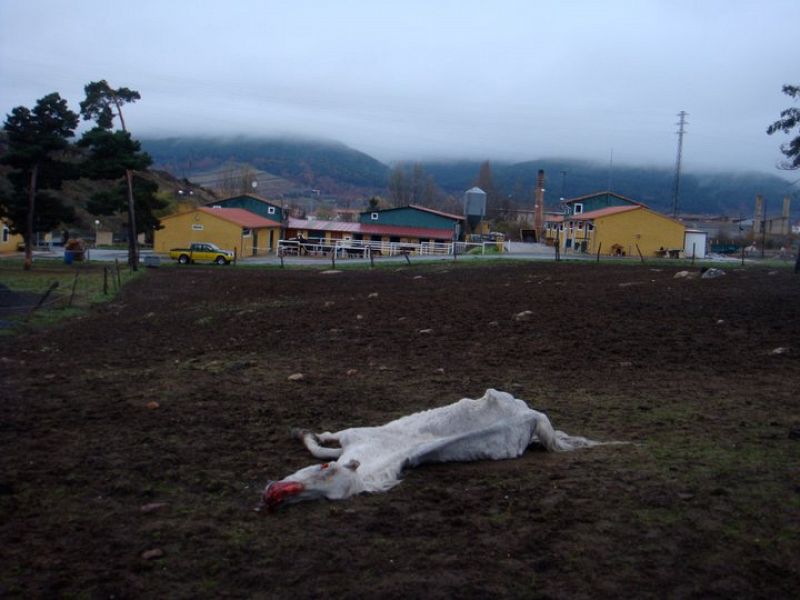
413, 216
383, 237
622, 231
614, 225
229, 228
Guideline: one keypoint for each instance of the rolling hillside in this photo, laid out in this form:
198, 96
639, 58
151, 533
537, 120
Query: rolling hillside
706, 193
292, 167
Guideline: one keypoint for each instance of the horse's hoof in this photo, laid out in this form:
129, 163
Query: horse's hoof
299, 434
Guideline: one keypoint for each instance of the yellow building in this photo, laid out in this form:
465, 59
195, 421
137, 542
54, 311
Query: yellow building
236, 229
9, 242
621, 231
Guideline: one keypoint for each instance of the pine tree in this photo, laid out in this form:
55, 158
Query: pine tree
790, 118
120, 152
37, 140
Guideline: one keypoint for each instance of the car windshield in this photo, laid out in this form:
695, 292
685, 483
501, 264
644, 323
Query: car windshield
212, 247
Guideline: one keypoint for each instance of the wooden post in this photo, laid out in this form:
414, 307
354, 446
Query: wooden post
557, 246
74, 283
333, 257
235, 255
797, 262
408, 260
694, 247
119, 277
371, 259
742, 254
600, 245
640, 253
105, 280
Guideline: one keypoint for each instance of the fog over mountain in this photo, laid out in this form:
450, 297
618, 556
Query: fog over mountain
416, 80
293, 166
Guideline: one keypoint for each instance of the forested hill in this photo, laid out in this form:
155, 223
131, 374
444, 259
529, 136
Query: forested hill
340, 171
307, 163
728, 193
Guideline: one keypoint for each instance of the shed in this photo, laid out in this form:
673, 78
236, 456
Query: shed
229, 228
695, 243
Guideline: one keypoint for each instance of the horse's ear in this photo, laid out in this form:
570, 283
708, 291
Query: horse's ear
352, 465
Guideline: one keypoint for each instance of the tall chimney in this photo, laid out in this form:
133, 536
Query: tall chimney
758, 215
538, 207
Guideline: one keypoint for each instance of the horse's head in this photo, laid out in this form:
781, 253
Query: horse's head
329, 480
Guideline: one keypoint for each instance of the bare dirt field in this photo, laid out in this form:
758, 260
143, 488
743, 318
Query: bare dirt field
104, 496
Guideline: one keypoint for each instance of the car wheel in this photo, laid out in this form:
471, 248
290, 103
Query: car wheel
183, 259
221, 260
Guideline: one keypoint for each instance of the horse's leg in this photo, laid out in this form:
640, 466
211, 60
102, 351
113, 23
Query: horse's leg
312, 443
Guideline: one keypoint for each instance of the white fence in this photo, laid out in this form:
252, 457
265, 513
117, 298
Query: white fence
367, 248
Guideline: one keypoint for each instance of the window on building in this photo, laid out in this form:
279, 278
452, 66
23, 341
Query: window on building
5, 233
374, 216
246, 232
580, 225
589, 227
578, 208
270, 210
197, 227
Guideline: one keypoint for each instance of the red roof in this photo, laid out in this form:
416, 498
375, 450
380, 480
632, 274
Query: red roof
240, 216
596, 194
604, 212
370, 229
436, 212
418, 207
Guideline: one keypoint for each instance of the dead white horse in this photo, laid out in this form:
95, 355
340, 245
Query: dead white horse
371, 459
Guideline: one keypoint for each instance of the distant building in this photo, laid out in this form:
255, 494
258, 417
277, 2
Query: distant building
255, 204
9, 242
329, 232
613, 225
416, 217
248, 233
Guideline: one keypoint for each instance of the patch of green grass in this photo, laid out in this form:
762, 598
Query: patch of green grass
79, 287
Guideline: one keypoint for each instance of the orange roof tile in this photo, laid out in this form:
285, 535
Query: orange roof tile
604, 212
240, 216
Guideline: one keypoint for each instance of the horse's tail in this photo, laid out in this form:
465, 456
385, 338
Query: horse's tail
558, 441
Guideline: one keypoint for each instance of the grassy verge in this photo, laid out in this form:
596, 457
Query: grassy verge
73, 290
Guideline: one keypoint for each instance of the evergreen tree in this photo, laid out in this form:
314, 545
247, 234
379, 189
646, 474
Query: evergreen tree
790, 118
37, 140
147, 203
120, 152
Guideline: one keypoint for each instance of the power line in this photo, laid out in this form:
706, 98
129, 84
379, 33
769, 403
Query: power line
676, 190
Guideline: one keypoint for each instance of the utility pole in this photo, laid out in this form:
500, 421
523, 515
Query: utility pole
677, 187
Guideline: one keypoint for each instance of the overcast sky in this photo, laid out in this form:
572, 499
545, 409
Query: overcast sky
416, 79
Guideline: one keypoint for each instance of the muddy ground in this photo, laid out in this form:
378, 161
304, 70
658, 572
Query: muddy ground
704, 503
